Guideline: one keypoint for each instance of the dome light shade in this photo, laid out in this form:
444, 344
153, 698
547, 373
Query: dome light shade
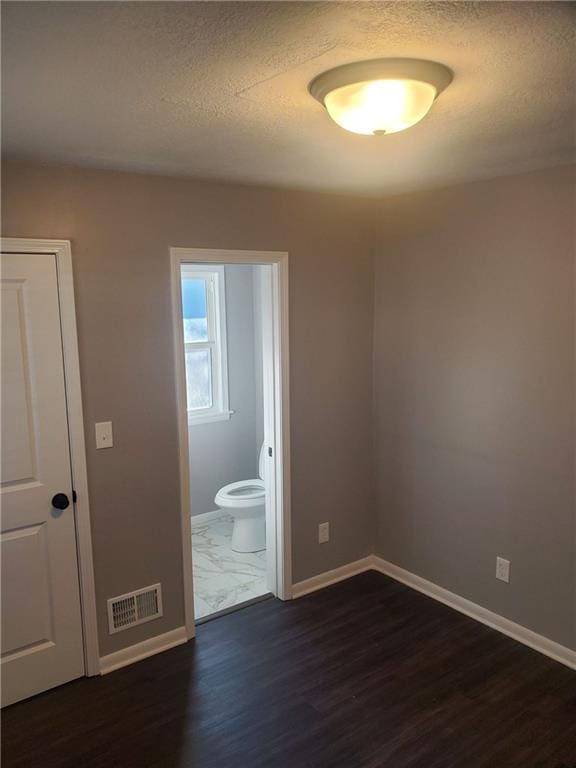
380, 106
381, 95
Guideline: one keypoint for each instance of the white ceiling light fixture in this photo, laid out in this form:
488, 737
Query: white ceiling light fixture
380, 96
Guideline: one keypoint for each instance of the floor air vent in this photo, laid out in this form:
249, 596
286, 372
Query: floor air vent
134, 608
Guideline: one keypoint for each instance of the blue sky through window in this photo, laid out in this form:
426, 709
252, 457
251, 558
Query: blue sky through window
194, 310
194, 298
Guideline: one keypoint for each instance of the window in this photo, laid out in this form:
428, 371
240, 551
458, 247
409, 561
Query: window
204, 313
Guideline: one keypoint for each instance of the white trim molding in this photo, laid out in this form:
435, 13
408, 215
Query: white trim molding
280, 440
474, 611
493, 620
331, 577
62, 250
143, 650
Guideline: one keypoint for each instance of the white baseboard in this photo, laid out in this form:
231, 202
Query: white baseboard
143, 650
206, 517
517, 632
483, 615
331, 577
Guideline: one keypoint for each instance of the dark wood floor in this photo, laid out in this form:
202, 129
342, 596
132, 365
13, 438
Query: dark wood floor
364, 674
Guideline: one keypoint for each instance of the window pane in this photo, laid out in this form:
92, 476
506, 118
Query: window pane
194, 309
198, 378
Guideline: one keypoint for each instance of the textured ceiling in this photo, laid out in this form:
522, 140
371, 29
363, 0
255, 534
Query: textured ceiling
219, 90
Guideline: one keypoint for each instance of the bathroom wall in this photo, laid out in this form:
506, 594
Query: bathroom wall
222, 452
258, 361
475, 393
122, 226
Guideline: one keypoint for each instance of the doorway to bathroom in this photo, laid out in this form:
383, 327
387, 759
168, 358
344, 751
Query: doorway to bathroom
231, 345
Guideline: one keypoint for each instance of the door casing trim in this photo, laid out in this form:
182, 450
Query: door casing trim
62, 250
278, 260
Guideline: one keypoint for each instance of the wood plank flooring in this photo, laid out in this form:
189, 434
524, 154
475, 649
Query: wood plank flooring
365, 674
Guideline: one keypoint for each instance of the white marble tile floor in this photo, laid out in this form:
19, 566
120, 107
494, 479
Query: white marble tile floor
223, 578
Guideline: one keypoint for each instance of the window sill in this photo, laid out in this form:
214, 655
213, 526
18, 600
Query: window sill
206, 418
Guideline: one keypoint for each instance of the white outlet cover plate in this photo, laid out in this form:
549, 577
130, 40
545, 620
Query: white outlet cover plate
503, 569
323, 533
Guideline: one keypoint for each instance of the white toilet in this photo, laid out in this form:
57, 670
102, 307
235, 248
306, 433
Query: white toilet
246, 502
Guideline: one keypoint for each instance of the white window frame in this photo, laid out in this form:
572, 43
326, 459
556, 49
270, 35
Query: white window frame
215, 277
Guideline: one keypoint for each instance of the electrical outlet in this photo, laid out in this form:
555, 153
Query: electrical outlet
503, 569
323, 533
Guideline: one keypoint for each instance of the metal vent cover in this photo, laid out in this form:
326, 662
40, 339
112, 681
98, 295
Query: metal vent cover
134, 608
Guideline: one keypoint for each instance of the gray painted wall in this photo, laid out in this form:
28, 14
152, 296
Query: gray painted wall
121, 226
475, 393
223, 452
473, 368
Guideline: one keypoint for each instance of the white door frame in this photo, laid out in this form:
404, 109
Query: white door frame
278, 260
61, 249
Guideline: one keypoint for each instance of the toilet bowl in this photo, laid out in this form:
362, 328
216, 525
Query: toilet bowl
246, 502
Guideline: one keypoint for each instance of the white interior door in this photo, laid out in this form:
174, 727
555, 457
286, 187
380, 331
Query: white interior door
41, 621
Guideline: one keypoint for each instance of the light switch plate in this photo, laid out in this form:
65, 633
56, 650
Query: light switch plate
104, 434
323, 533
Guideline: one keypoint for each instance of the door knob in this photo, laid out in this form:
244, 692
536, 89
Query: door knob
60, 501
